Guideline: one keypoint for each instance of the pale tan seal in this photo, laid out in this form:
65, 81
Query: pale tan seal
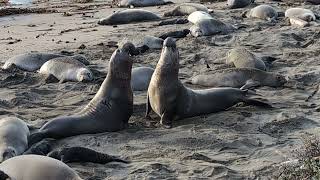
186, 9
301, 13
265, 12
171, 100
109, 110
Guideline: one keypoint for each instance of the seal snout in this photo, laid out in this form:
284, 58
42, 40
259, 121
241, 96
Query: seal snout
169, 42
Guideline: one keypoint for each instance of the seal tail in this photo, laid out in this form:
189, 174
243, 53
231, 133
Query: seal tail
255, 102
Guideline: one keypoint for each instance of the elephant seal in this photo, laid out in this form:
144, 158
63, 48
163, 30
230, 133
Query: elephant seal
33, 61
66, 69
233, 4
140, 78
142, 3
186, 9
240, 57
35, 167
264, 12
301, 13
171, 100
198, 16
315, 2
153, 42
175, 34
129, 16
13, 137
173, 21
81, 154
243, 78
109, 110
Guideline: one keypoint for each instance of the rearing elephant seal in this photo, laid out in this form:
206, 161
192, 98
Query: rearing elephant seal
35, 167
13, 137
109, 110
171, 100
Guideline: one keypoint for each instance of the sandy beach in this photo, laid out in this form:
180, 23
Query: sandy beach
241, 143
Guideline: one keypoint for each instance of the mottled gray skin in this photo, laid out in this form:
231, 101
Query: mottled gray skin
35, 167
109, 110
66, 69
186, 9
140, 78
171, 100
239, 77
209, 27
13, 137
242, 58
129, 16
233, 4
264, 12
81, 154
141, 3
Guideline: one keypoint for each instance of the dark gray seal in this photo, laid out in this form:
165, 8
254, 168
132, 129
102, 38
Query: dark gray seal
233, 4
109, 110
13, 137
171, 100
129, 16
244, 78
35, 167
142, 3
140, 78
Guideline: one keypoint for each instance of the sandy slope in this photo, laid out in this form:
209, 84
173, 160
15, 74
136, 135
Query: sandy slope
240, 143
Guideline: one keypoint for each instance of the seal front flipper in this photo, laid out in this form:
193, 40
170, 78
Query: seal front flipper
166, 120
250, 84
148, 107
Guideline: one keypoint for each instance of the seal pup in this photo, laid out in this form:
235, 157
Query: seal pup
301, 13
198, 16
175, 34
13, 137
140, 78
35, 167
173, 21
66, 69
129, 16
264, 12
33, 61
171, 100
142, 3
109, 110
153, 42
240, 57
233, 4
81, 154
243, 78
186, 9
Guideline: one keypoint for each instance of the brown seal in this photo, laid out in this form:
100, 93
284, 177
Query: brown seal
171, 100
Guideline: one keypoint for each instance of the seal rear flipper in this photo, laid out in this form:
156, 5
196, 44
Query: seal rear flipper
148, 107
255, 102
36, 137
41, 148
4, 176
166, 119
250, 84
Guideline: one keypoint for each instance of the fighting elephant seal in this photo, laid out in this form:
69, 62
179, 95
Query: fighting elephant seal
301, 13
264, 12
142, 3
129, 16
13, 137
109, 110
171, 100
66, 69
244, 78
240, 57
35, 167
140, 78
233, 4
33, 61
186, 9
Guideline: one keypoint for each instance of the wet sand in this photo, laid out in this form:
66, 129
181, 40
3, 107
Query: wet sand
243, 142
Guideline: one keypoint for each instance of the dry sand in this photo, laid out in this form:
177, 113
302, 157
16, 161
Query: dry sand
243, 142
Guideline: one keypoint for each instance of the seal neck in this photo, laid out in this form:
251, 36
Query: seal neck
168, 64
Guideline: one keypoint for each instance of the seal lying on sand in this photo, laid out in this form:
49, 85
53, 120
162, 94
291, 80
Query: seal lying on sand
315, 2
205, 25
35, 167
153, 42
175, 34
186, 9
129, 16
303, 14
33, 61
245, 78
240, 57
140, 78
13, 137
109, 110
264, 12
81, 154
142, 3
233, 4
66, 69
171, 100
